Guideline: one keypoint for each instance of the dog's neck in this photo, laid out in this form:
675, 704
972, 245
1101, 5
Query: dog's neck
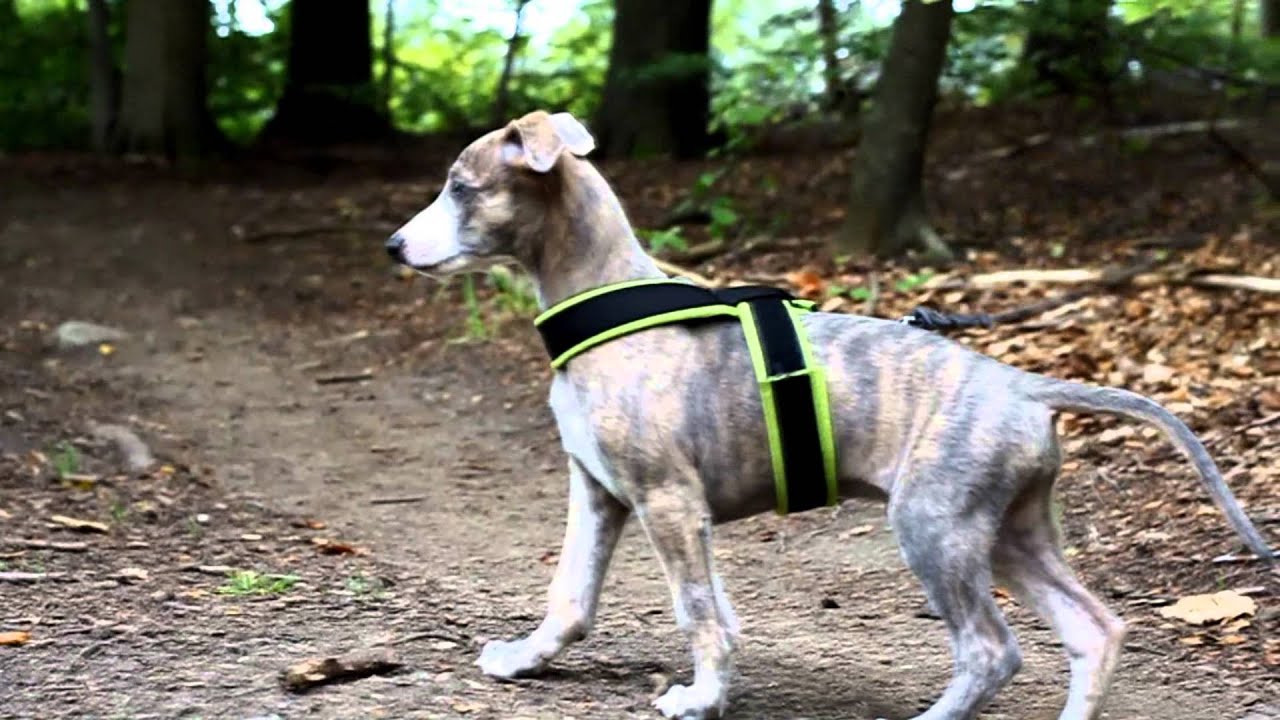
588, 241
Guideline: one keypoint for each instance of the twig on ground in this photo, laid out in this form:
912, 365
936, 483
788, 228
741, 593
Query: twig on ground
28, 577
430, 635
873, 295
673, 269
403, 500
350, 666
346, 377
47, 545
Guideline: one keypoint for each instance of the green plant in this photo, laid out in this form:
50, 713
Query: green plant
514, 292
476, 329
66, 459
366, 587
659, 240
723, 217
251, 582
119, 511
913, 281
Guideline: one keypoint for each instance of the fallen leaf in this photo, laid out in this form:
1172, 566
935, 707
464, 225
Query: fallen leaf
1155, 373
1192, 640
133, 573
1232, 639
1201, 609
808, 283
310, 524
106, 348
333, 547
14, 638
78, 524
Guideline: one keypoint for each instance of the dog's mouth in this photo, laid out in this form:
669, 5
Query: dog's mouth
463, 262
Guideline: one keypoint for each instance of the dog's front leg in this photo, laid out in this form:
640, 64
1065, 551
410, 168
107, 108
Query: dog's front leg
678, 523
595, 522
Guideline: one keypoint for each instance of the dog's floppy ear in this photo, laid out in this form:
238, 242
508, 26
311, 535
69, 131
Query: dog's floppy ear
537, 139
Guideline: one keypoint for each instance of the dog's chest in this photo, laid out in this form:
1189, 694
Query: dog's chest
577, 437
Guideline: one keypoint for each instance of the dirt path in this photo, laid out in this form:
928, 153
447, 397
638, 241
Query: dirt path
220, 374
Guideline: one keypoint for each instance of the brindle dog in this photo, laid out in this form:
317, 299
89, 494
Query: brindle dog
666, 425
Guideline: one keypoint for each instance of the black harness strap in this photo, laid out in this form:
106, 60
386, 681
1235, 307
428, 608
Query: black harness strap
794, 404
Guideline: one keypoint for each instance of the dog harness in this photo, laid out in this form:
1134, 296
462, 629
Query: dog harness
793, 388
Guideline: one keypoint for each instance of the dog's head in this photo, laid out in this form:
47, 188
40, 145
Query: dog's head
495, 197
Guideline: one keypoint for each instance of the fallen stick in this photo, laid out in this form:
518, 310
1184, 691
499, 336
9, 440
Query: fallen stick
28, 577
398, 500
673, 269
348, 377
351, 666
1080, 276
47, 545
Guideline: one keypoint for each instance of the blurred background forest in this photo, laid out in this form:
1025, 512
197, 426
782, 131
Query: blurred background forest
189, 78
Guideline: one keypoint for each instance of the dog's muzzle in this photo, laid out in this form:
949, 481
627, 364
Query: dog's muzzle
395, 248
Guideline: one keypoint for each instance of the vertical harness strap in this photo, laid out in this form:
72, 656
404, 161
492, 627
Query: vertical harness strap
796, 411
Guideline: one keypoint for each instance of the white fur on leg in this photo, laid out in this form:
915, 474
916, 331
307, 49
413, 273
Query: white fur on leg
702, 700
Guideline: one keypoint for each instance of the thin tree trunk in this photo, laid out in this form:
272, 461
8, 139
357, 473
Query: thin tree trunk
502, 99
388, 56
163, 101
104, 78
657, 98
829, 30
329, 94
887, 209
1270, 21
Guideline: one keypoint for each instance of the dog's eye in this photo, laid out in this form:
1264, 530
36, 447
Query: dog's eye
460, 191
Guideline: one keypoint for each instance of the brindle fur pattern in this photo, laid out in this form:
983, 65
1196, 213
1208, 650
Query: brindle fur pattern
666, 426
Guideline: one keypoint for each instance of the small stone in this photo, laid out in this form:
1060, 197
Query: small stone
75, 333
250, 537
202, 518
830, 604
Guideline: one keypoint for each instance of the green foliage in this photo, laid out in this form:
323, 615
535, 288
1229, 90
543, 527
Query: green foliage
66, 459
44, 85
251, 582
246, 70
659, 240
913, 281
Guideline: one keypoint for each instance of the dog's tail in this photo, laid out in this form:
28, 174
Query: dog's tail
1077, 397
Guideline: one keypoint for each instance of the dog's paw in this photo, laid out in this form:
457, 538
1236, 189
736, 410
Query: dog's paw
691, 702
510, 659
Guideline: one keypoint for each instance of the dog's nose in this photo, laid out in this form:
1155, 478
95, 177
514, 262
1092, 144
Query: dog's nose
395, 247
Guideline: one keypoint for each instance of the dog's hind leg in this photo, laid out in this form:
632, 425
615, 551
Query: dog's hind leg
677, 520
1028, 557
947, 543
595, 522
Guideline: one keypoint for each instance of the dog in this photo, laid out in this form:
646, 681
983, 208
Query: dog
666, 425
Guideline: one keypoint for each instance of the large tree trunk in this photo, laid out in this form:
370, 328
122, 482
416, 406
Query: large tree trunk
329, 93
1067, 42
104, 77
887, 212
657, 98
162, 107
1270, 18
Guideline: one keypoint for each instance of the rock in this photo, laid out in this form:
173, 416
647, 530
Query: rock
75, 333
137, 456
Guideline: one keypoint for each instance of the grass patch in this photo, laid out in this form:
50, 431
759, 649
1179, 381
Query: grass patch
251, 582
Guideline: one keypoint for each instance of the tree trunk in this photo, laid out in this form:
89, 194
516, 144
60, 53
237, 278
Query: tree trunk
1067, 44
162, 107
502, 98
104, 77
657, 98
1270, 21
829, 30
329, 94
887, 211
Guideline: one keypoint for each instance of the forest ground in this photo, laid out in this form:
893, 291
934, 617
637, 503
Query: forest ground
261, 466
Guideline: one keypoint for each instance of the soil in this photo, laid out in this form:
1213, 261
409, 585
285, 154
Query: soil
421, 508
